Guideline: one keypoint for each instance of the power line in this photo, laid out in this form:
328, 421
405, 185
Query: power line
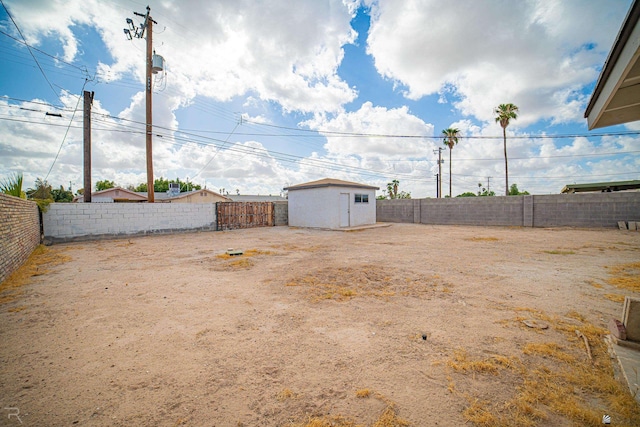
30, 51
195, 135
66, 132
28, 46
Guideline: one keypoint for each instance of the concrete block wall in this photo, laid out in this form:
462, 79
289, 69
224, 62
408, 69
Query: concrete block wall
586, 210
19, 232
281, 213
557, 210
398, 210
473, 211
83, 221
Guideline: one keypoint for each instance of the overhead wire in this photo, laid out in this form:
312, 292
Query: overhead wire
29, 48
66, 132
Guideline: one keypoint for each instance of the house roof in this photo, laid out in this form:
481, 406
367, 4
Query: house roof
601, 186
329, 182
160, 196
256, 198
166, 196
128, 195
616, 96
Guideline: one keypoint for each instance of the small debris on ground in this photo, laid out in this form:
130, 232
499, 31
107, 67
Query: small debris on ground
535, 324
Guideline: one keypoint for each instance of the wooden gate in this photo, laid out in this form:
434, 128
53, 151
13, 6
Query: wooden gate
233, 215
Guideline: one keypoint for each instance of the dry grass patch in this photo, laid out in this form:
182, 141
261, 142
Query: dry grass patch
246, 254
556, 381
285, 394
461, 362
483, 239
625, 276
389, 417
37, 264
363, 393
614, 297
345, 283
548, 349
559, 252
241, 262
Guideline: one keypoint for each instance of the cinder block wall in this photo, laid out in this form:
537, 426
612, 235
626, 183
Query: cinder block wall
557, 210
19, 232
586, 210
83, 221
398, 210
281, 213
473, 211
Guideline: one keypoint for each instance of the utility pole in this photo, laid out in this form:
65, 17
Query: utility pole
439, 192
489, 184
437, 186
139, 32
88, 100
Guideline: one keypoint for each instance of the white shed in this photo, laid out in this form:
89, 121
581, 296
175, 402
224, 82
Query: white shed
331, 203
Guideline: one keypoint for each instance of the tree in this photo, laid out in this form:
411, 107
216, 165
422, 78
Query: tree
484, 192
41, 194
161, 185
506, 112
392, 188
61, 195
104, 185
451, 136
513, 191
141, 188
392, 191
467, 194
12, 185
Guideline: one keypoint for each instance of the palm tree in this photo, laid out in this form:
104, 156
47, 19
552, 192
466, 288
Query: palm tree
506, 112
451, 136
12, 185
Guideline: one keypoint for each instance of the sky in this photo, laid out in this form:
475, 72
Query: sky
258, 95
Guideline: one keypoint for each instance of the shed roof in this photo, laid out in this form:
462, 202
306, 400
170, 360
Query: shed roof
329, 182
601, 186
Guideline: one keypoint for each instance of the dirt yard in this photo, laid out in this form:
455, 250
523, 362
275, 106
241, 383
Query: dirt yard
404, 325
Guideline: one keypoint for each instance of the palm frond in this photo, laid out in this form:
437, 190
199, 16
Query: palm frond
12, 185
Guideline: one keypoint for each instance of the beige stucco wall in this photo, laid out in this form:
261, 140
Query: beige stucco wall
199, 197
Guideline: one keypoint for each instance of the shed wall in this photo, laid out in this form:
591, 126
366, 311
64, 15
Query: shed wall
320, 207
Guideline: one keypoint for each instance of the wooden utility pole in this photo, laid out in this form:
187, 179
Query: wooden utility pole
133, 31
439, 192
150, 191
88, 100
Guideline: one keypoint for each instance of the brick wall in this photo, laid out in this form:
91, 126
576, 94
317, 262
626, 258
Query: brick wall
557, 210
83, 221
19, 232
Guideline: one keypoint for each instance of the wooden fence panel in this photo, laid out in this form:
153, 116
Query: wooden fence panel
234, 215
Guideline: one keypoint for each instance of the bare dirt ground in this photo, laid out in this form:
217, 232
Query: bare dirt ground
314, 327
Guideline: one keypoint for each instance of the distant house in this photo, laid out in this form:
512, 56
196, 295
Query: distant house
331, 203
122, 195
114, 195
602, 187
195, 196
250, 198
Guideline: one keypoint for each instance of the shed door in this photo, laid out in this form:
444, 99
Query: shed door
344, 210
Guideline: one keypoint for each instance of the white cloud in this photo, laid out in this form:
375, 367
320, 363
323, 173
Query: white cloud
372, 120
490, 52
